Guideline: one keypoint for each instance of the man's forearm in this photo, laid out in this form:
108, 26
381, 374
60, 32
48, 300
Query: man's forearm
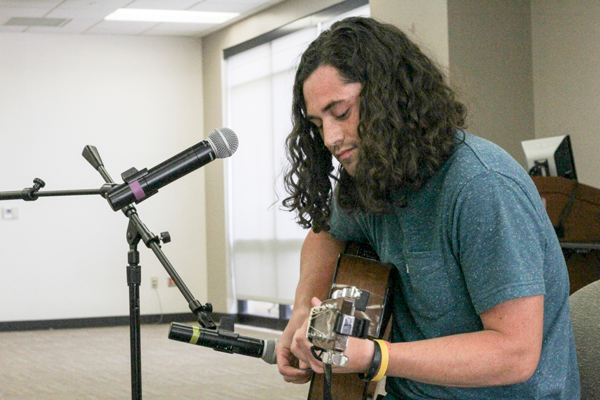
469, 360
317, 265
506, 352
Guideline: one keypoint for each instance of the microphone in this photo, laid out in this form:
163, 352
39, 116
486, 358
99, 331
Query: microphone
225, 341
139, 185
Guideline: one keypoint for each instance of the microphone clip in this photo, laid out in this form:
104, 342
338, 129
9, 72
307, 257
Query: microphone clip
132, 174
137, 183
226, 329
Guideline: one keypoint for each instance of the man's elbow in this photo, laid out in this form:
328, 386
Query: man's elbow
524, 365
519, 366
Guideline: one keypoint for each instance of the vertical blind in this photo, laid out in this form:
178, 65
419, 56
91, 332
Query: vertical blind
264, 240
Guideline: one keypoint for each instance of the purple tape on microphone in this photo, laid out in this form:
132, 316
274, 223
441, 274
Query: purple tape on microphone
137, 190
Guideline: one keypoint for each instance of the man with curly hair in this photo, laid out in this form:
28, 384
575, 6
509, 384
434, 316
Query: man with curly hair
481, 309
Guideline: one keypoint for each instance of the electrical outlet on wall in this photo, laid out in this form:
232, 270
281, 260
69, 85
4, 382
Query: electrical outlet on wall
10, 213
154, 281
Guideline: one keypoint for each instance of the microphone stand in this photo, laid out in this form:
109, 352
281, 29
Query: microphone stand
136, 232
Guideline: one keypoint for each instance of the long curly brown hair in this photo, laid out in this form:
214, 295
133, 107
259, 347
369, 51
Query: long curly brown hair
409, 119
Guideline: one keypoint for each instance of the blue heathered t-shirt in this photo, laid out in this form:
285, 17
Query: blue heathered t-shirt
474, 236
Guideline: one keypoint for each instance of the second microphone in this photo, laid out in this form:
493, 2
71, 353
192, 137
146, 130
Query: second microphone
231, 343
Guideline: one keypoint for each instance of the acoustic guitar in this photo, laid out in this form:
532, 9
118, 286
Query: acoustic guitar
359, 266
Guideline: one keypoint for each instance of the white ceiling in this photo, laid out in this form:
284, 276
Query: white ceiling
87, 16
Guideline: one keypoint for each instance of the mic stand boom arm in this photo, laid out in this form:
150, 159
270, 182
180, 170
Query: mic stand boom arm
33, 193
137, 231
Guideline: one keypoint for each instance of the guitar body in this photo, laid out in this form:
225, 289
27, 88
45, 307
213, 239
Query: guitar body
358, 266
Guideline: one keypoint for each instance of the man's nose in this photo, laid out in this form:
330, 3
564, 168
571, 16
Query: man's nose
332, 134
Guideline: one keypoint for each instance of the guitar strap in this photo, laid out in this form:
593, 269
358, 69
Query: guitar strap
327, 378
327, 382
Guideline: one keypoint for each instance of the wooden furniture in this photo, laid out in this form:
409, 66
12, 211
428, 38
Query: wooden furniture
574, 209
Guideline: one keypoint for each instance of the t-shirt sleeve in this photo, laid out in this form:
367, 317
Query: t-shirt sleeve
501, 240
345, 226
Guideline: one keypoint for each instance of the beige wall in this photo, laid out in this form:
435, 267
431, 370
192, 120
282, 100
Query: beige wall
529, 69
426, 22
566, 60
491, 65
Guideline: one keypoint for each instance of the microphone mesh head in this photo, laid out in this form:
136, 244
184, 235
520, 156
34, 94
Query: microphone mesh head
269, 355
223, 141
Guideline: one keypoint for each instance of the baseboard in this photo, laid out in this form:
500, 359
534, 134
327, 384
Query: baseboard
100, 322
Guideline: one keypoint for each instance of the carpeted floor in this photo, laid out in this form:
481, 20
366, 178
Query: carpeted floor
86, 364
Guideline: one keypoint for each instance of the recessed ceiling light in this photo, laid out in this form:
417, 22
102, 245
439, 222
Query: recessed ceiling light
190, 17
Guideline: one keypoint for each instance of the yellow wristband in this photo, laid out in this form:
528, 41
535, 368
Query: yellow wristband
385, 359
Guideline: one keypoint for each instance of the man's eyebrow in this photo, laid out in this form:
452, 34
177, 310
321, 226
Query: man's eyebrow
325, 109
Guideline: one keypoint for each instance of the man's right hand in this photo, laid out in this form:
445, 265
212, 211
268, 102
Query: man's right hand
290, 367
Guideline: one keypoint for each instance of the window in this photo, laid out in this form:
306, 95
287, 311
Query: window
264, 240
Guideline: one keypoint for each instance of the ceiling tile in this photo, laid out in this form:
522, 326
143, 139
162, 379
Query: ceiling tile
30, 3
87, 16
118, 28
178, 29
10, 12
